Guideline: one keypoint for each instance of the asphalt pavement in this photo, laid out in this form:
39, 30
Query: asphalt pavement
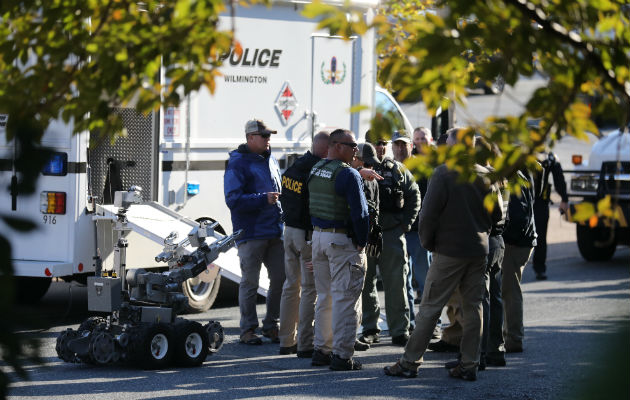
571, 322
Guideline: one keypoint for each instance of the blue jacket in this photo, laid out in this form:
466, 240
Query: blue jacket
248, 177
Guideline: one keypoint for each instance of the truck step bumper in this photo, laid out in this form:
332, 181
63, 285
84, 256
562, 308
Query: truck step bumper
43, 269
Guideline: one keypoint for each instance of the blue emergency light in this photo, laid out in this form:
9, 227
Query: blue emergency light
192, 188
57, 165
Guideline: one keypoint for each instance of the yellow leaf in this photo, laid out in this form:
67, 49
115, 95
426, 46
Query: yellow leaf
358, 108
121, 55
490, 201
583, 212
603, 206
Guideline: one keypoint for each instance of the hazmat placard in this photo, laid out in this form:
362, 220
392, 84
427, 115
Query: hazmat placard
286, 103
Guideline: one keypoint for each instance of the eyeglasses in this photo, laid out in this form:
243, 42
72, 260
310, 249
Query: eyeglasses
262, 135
349, 144
381, 143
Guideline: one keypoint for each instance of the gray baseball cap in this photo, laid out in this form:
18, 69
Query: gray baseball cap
401, 135
257, 126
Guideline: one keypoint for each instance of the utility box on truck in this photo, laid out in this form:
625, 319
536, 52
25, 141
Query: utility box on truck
294, 78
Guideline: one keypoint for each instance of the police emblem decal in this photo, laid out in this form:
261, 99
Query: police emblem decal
332, 76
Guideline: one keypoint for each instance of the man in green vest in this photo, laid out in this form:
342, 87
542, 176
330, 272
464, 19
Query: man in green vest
340, 219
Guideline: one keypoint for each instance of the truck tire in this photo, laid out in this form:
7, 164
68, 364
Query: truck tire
587, 239
31, 290
201, 295
191, 343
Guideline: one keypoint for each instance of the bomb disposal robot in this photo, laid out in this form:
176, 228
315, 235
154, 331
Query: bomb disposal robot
141, 326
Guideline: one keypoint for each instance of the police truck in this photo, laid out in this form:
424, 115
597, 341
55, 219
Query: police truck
294, 78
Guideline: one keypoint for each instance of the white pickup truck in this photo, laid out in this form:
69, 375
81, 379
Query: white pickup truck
606, 172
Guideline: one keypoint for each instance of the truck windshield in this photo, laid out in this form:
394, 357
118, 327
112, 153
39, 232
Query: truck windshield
388, 109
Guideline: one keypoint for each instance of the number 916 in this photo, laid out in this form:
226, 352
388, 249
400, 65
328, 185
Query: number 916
50, 219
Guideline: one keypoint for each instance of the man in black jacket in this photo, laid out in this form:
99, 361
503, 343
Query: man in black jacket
550, 166
520, 239
454, 225
297, 305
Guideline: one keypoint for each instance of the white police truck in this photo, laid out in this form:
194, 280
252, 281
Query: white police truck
294, 78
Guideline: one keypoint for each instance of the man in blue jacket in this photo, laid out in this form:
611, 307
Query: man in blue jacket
252, 187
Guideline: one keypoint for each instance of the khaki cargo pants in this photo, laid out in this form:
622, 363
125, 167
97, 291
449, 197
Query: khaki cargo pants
297, 306
445, 275
339, 271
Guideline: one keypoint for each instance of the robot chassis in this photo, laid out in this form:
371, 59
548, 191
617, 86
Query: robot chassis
142, 327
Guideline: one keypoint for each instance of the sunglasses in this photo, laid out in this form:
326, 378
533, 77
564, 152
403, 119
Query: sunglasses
349, 144
262, 135
381, 143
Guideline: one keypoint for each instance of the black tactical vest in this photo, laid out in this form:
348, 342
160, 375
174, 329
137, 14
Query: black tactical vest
294, 197
390, 188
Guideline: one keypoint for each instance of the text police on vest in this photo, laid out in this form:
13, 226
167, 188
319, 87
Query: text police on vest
292, 184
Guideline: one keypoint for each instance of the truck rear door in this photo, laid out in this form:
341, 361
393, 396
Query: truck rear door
50, 207
332, 79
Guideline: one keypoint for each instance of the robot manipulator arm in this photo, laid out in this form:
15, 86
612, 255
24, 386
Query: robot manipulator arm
195, 263
155, 287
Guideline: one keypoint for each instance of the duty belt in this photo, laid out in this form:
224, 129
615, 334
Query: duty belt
333, 230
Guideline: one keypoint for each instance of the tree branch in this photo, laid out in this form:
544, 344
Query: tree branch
533, 12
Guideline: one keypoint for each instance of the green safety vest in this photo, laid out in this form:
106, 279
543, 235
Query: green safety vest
324, 202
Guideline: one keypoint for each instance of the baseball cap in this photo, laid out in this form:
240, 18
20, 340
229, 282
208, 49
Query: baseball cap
367, 154
401, 135
257, 126
374, 139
